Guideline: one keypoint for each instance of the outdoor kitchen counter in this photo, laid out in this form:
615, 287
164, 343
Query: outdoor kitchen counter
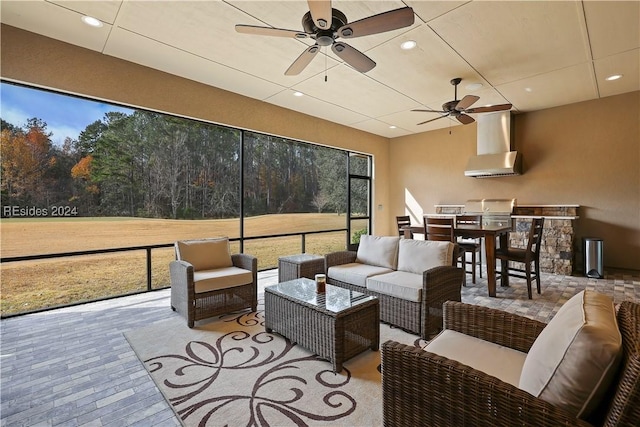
557, 253
546, 217
528, 211
552, 212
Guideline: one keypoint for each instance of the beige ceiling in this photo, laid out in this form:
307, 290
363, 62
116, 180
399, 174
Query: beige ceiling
532, 54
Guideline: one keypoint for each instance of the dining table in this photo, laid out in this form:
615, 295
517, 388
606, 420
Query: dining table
491, 233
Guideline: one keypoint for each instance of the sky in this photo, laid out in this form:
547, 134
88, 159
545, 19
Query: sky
66, 116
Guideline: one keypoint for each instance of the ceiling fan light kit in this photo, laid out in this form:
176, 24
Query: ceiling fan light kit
325, 25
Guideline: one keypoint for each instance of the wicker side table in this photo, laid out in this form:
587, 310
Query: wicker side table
296, 266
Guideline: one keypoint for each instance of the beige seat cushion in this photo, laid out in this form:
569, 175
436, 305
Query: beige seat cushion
417, 256
221, 278
575, 357
501, 362
400, 284
381, 251
205, 254
355, 273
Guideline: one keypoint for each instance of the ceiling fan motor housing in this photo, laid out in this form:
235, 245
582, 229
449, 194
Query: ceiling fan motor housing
450, 106
324, 36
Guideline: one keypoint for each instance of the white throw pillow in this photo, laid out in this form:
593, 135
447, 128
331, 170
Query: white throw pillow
206, 254
417, 256
378, 250
575, 357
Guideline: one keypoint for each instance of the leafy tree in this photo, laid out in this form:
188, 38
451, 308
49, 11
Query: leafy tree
89, 137
319, 201
118, 164
82, 169
86, 191
25, 160
8, 126
57, 178
168, 164
331, 166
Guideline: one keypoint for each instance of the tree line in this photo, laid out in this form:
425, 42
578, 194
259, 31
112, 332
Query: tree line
148, 164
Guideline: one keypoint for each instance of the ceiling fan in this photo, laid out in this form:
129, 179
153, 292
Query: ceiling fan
460, 108
325, 25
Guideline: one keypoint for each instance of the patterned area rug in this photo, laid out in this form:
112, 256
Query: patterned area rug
229, 371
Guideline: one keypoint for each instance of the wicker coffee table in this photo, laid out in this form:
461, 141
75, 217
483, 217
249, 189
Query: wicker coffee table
336, 325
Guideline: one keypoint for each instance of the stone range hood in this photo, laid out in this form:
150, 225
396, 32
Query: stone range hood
495, 155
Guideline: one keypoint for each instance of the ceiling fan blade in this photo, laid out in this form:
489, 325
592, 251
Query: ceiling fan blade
353, 57
268, 31
466, 102
429, 111
430, 120
302, 61
499, 107
321, 13
380, 23
464, 119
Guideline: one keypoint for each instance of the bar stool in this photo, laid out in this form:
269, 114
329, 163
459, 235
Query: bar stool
471, 245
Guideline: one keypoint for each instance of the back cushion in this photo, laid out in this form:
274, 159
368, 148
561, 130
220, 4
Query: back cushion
206, 254
378, 250
575, 357
417, 256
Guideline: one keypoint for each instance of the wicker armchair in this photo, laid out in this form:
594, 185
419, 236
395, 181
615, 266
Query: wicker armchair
422, 388
207, 280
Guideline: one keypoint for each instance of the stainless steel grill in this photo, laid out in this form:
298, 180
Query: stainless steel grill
494, 211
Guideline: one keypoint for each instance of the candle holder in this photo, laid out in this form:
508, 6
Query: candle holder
321, 283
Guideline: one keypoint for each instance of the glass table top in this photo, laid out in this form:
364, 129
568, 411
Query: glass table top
335, 298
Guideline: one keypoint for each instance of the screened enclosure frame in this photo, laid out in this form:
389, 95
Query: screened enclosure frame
361, 177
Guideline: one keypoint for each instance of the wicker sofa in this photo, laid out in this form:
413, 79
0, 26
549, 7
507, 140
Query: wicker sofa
421, 387
411, 278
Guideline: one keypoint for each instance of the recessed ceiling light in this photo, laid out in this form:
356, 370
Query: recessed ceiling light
392, 127
298, 93
528, 89
613, 77
91, 21
409, 44
473, 86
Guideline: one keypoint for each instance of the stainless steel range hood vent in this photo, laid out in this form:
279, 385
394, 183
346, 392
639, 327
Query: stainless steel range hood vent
494, 165
495, 156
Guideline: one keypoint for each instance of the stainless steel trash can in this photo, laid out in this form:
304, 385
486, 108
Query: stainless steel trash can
592, 249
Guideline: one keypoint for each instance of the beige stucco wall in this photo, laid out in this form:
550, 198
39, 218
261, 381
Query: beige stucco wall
33, 59
586, 153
